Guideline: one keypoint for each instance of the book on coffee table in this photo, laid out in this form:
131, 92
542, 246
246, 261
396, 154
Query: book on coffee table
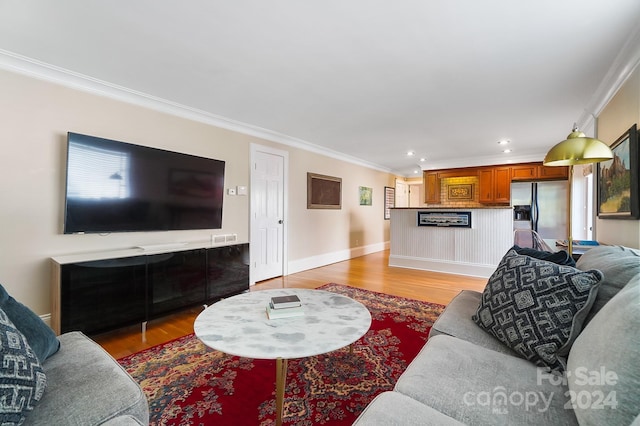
295, 311
282, 302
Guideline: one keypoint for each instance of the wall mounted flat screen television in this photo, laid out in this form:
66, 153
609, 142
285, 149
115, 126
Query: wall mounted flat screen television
114, 186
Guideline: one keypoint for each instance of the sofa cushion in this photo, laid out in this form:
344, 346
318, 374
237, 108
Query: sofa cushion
22, 380
603, 370
41, 338
87, 387
456, 321
394, 408
560, 257
618, 264
478, 386
536, 307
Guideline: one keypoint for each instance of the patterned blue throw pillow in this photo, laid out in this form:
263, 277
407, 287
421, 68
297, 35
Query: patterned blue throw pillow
22, 380
41, 338
536, 307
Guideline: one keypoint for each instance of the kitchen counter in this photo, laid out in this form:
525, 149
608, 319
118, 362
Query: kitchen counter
474, 250
454, 208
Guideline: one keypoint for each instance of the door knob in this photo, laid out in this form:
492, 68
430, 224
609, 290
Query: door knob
280, 222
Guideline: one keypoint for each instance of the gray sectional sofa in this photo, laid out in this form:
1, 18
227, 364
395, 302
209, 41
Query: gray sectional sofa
87, 387
60, 380
465, 375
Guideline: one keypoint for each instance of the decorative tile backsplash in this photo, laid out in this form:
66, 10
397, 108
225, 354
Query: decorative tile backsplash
453, 192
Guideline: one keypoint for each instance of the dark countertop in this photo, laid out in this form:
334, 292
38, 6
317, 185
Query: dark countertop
454, 208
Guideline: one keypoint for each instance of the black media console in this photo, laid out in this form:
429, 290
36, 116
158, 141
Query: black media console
94, 296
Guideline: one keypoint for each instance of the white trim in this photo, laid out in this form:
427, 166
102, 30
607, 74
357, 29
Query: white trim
324, 259
627, 60
47, 72
623, 66
46, 318
459, 268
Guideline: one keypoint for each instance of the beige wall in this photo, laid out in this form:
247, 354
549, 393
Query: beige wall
36, 115
620, 114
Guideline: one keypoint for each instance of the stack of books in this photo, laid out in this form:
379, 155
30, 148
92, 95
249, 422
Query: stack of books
284, 307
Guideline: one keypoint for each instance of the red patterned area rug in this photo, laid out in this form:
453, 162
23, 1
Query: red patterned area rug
187, 383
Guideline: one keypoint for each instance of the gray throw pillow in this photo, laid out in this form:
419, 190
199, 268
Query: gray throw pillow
41, 338
22, 380
536, 307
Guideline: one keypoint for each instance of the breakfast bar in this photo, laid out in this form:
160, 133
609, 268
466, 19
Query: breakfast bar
466, 241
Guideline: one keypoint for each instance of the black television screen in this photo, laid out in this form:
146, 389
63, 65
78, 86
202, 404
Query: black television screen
116, 186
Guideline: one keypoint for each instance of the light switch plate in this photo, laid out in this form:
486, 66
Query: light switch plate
231, 191
241, 190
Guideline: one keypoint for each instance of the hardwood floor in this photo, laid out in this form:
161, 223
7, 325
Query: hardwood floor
369, 272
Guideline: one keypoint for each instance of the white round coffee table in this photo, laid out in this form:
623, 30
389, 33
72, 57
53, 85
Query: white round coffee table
239, 326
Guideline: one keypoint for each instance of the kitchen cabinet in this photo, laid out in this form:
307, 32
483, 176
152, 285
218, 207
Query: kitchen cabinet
432, 188
524, 172
494, 184
502, 184
537, 172
554, 173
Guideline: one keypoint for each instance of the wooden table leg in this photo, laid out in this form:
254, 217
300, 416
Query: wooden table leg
281, 380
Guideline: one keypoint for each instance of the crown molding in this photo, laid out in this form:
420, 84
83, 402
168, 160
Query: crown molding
492, 160
40, 70
623, 66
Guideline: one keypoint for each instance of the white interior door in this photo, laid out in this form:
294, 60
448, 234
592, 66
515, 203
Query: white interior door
402, 194
268, 206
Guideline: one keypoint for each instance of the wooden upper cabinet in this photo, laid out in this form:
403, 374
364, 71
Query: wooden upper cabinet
431, 188
485, 185
536, 171
558, 173
494, 184
524, 172
502, 185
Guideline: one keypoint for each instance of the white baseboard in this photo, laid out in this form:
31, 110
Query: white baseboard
460, 268
334, 257
46, 318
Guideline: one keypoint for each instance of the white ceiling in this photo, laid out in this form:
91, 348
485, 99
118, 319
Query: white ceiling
367, 80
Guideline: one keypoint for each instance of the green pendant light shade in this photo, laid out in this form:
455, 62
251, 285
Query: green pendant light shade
578, 149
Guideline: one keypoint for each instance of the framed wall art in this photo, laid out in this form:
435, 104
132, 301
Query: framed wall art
324, 192
366, 196
460, 192
617, 185
445, 219
389, 201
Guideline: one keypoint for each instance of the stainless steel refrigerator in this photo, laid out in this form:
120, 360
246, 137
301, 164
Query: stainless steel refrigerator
542, 207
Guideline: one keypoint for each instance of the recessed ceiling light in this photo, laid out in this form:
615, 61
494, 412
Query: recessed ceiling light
422, 160
411, 153
506, 151
503, 142
415, 171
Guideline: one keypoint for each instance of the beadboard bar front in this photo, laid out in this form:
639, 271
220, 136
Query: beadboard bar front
474, 251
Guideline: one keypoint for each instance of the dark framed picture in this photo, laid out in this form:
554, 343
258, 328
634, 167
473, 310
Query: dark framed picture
324, 192
389, 201
445, 219
618, 179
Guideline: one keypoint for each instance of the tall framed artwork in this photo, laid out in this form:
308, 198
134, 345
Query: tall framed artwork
618, 196
389, 201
